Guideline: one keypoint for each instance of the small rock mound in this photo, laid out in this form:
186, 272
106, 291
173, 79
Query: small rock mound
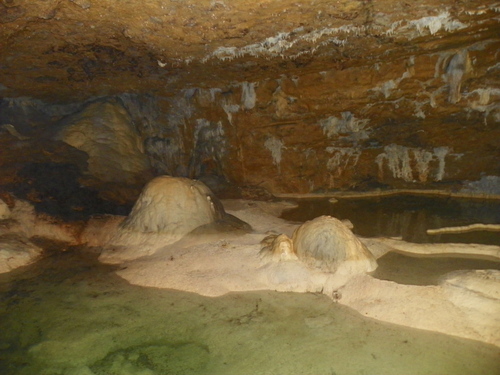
168, 209
278, 247
325, 243
17, 251
173, 205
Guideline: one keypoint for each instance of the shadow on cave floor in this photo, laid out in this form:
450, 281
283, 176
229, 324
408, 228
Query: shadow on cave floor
69, 314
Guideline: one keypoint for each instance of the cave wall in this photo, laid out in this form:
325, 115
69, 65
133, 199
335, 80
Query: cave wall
356, 95
426, 121
420, 121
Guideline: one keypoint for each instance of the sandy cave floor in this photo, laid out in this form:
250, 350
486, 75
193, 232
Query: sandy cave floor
465, 304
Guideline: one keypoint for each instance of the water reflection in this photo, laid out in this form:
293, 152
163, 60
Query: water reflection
69, 315
407, 216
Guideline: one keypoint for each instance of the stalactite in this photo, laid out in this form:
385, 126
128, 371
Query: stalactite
248, 96
402, 165
422, 158
457, 67
440, 153
348, 125
276, 146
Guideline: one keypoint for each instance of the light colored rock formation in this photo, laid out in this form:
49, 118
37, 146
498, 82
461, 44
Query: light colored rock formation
328, 243
385, 245
278, 247
466, 228
24, 221
433, 308
21, 225
101, 229
104, 130
16, 251
466, 303
220, 264
174, 206
325, 243
167, 209
476, 293
4, 210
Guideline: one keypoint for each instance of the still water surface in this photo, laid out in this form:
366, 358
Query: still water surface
70, 315
407, 216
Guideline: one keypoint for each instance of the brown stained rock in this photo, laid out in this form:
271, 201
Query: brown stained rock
10, 14
290, 97
84, 4
236, 41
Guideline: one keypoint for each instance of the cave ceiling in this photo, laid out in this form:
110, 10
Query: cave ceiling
72, 50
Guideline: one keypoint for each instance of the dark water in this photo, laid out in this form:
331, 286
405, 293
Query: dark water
69, 315
426, 270
407, 216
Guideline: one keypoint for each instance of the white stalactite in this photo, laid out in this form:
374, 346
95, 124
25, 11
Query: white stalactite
276, 146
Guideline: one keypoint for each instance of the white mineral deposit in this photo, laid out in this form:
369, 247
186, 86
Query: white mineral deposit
319, 256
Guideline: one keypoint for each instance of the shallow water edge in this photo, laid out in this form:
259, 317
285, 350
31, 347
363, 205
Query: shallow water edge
69, 314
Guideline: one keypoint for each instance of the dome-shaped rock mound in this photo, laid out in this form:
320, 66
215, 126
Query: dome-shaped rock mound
168, 209
173, 205
327, 243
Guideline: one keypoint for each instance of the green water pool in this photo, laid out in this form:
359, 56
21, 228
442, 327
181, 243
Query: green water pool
70, 315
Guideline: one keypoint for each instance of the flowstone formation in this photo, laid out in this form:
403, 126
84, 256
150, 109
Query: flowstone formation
323, 256
167, 209
325, 243
173, 206
105, 132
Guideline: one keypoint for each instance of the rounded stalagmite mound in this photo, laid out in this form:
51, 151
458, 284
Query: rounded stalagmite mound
168, 209
327, 243
173, 205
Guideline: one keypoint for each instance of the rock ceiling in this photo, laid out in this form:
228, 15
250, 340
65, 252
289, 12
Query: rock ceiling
63, 50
